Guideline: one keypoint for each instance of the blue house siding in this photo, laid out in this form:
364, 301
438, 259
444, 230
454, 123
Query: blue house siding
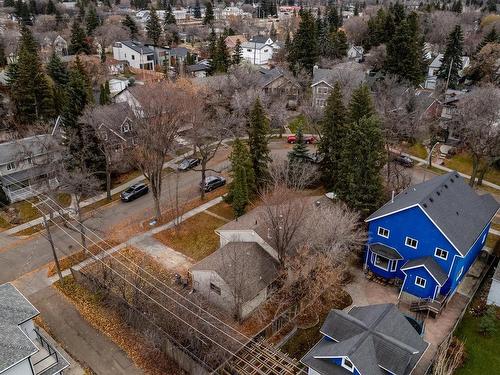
338, 362
411, 287
415, 224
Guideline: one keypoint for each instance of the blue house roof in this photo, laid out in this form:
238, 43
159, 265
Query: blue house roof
451, 204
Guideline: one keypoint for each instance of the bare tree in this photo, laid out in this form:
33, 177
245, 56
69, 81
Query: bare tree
160, 111
476, 120
295, 176
449, 357
438, 26
109, 32
356, 29
377, 56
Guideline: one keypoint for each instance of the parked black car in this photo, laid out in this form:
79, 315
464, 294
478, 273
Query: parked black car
134, 192
187, 164
212, 182
404, 161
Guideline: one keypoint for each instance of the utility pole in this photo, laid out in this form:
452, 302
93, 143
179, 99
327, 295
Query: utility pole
449, 74
49, 238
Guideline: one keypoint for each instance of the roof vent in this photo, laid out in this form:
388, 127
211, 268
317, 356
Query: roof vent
425, 205
446, 186
438, 193
452, 180
456, 175
431, 200
457, 213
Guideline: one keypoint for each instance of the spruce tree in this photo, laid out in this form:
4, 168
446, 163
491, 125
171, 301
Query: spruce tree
491, 37
92, 20
257, 138
153, 27
361, 104
339, 44
130, 24
221, 59
9, 3
78, 41
59, 74
104, 94
452, 58
29, 86
332, 18
243, 180
299, 152
273, 33
169, 16
333, 131
304, 52
237, 53
50, 8
209, 14
197, 10
457, 6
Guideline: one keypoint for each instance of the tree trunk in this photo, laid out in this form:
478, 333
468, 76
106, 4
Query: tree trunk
108, 180
203, 176
80, 224
54, 254
475, 164
481, 174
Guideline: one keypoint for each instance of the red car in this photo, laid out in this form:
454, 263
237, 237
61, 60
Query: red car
308, 139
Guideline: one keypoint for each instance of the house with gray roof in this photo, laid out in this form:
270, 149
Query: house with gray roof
28, 164
239, 276
367, 340
274, 82
427, 237
321, 86
135, 53
259, 50
23, 348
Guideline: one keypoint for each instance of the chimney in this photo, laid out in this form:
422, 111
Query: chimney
315, 67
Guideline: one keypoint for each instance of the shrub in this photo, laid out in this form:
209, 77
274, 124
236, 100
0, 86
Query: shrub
487, 323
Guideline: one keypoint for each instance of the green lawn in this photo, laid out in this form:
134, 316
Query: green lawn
418, 150
462, 162
483, 353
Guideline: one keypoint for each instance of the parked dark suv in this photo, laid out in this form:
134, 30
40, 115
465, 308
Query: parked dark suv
134, 192
212, 182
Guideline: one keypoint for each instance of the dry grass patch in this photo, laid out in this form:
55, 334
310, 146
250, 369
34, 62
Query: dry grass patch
90, 306
224, 210
195, 237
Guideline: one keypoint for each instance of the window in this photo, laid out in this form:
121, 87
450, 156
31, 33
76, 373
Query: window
420, 281
382, 232
249, 50
29, 160
126, 127
460, 273
382, 262
320, 102
266, 50
411, 242
394, 266
215, 288
322, 90
347, 364
11, 165
133, 57
440, 253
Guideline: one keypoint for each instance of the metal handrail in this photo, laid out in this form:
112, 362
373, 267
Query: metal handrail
45, 344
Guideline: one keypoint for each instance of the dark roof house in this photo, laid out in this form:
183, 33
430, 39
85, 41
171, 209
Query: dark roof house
368, 340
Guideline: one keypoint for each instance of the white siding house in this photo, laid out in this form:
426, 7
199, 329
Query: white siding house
259, 50
135, 53
430, 82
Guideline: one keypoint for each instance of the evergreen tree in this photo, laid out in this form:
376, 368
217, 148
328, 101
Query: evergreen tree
299, 152
333, 131
491, 37
105, 94
243, 179
273, 33
304, 52
92, 20
50, 8
197, 10
332, 18
9, 3
153, 28
457, 6
169, 16
209, 14
3, 58
23, 12
238, 53
257, 139
361, 104
130, 24
491, 6
57, 70
339, 44
359, 182
452, 59
356, 9
29, 86
78, 41
221, 60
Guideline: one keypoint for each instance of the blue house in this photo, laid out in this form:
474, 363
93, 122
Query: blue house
367, 340
427, 237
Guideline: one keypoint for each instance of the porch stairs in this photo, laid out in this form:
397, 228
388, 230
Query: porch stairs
429, 305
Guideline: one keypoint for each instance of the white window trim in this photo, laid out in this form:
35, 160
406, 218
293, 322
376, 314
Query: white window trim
343, 364
484, 237
394, 265
413, 239
460, 273
420, 278
381, 235
11, 165
439, 256
382, 268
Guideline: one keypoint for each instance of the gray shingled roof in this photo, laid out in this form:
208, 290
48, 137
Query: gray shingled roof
18, 149
14, 310
137, 46
269, 75
371, 337
319, 74
242, 261
385, 251
458, 211
432, 267
259, 39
